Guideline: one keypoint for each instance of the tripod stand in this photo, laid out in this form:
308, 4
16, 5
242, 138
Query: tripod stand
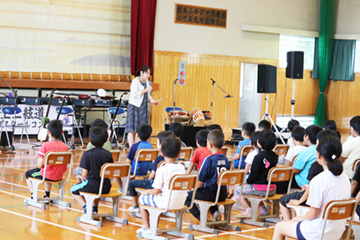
267, 115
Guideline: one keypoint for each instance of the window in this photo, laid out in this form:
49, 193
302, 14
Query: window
289, 43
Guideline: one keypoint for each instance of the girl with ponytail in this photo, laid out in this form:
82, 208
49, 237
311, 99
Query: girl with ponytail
331, 184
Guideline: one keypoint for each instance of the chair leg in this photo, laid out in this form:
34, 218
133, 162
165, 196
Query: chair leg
35, 200
59, 199
115, 213
154, 222
254, 210
178, 225
88, 217
227, 218
204, 209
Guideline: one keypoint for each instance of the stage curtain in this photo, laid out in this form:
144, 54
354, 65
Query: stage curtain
326, 38
142, 33
343, 60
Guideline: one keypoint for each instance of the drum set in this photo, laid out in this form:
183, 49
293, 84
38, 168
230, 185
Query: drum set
196, 117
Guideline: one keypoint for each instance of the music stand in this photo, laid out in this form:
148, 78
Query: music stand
267, 114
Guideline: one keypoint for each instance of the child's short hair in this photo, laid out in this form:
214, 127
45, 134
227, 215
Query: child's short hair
264, 124
144, 131
325, 133
55, 128
267, 140
98, 136
216, 137
165, 134
213, 127
312, 131
176, 128
98, 123
170, 147
355, 124
201, 137
254, 138
292, 123
248, 127
298, 133
330, 124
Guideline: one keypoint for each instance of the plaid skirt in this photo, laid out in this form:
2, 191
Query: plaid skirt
136, 115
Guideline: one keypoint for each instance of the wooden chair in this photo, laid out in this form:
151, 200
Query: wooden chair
52, 159
276, 174
244, 151
339, 210
180, 182
185, 156
281, 149
355, 164
115, 155
108, 170
228, 177
141, 155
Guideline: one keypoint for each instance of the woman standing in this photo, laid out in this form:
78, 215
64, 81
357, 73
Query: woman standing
138, 109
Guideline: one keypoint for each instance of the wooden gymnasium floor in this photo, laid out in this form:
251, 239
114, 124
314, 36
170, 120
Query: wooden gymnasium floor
27, 222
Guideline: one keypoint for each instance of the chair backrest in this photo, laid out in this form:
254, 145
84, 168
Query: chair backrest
279, 174
113, 170
281, 149
115, 155
183, 182
168, 109
186, 153
58, 159
355, 164
337, 210
64, 110
293, 160
145, 155
244, 151
160, 164
225, 151
11, 110
229, 177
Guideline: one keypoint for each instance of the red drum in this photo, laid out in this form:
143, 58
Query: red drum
198, 116
179, 115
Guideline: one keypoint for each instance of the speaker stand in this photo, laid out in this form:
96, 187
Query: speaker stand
293, 100
267, 115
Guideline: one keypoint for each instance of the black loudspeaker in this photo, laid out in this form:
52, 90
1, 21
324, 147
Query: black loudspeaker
295, 65
266, 79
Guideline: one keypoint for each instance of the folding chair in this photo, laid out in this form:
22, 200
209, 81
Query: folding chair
16, 121
75, 124
108, 170
115, 155
339, 210
225, 151
51, 159
281, 149
244, 151
180, 182
228, 177
186, 154
116, 123
141, 155
276, 174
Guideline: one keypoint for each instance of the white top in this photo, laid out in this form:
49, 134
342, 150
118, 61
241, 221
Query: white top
351, 151
135, 92
250, 157
293, 152
324, 188
162, 181
290, 142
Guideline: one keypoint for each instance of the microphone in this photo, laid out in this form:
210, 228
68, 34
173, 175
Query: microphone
177, 79
228, 96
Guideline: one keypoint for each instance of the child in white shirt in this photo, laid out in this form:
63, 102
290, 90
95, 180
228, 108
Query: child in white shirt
159, 195
297, 136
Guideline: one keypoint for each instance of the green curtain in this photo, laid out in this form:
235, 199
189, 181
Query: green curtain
326, 37
343, 60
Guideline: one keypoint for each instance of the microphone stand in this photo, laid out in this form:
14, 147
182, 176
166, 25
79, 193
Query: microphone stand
212, 97
14, 93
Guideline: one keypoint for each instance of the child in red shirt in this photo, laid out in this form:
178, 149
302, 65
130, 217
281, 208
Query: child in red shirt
201, 152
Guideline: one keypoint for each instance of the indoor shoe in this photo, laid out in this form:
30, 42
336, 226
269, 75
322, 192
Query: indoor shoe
134, 209
264, 211
216, 216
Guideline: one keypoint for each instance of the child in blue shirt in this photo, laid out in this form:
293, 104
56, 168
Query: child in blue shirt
143, 133
208, 175
246, 130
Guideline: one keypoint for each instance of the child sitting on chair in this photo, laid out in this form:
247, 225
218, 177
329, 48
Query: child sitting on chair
178, 129
53, 172
246, 130
159, 195
257, 181
147, 183
91, 163
201, 152
210, 169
